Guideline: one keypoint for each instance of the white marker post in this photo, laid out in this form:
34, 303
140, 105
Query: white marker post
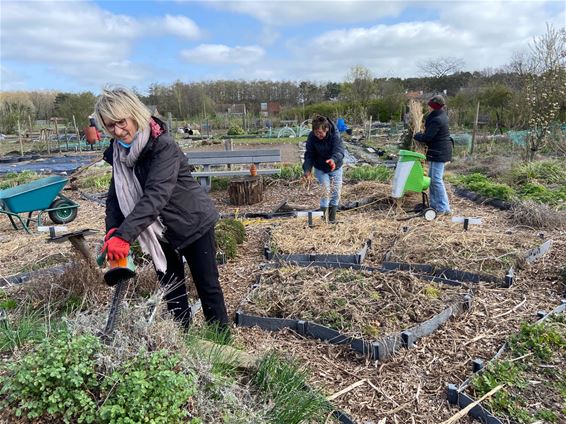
466, 221
309, 214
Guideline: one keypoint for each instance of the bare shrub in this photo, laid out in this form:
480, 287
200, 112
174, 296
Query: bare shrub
537, 215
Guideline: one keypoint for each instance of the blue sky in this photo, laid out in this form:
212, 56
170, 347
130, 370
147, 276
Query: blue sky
80, 45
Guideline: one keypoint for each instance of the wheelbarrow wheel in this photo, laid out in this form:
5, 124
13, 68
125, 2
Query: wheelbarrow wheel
62, 215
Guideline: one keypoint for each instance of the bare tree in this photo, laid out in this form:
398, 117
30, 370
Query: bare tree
359, 85
442, 66
544, 87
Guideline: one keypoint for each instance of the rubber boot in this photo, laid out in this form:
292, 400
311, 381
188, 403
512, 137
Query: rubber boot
332, 214
324, 211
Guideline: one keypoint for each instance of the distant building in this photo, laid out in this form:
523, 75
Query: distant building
237, 109
270, 108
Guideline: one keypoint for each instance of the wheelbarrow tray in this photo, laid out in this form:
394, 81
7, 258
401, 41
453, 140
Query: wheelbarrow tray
33, 196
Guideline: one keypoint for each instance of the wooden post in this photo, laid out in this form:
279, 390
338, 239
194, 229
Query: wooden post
57, 135
30, 128
246, 190
66, 139
20, 137
78, 133
369, 131
475, 128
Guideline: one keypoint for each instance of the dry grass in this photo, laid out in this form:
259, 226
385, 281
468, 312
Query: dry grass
416, 125
536, 215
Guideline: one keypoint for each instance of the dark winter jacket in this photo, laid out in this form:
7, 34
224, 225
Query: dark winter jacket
437, 137
319, 151
169, 192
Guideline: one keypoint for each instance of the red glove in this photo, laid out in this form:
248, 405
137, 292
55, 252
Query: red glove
332, 164
116, 248
109, 233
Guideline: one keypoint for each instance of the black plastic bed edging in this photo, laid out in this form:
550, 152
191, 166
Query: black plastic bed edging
377, 350
456, 395
359, 267
356, 258
447, 273
478, 198
24, 277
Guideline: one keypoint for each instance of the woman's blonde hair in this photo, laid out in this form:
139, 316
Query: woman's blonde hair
120, 103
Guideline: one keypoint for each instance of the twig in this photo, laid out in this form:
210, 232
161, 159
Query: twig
511, 310
465, 411
346, 390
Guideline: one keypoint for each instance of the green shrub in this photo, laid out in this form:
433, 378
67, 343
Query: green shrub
290, 172
56, 379
236, 130
226, 243
233, 226
369, 173
540, 194
150, 388
220, 183
547, 172
540, 339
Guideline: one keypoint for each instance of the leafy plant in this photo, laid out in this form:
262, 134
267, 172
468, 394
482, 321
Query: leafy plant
290, 172
150, 388
97, 182
13, 179
542, 340
55, 379
236, 130
480, 184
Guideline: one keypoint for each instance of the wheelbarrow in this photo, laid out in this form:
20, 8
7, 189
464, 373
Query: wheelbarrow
41, 195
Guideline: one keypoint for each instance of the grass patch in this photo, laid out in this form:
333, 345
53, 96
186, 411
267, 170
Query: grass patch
481, 184
285, 385
97, 182
369, 173
289, 172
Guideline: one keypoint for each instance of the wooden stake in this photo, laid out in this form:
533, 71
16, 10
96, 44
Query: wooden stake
475, 128
346, 390
20, 137
78, 133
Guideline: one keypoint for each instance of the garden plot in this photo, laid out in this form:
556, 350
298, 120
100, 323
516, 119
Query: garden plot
345, 241
367, 306
481, 249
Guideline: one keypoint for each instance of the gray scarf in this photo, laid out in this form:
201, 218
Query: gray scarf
129, 192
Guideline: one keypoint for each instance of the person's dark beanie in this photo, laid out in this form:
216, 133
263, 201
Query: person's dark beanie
436, 102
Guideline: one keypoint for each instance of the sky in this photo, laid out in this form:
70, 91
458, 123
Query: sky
84, 45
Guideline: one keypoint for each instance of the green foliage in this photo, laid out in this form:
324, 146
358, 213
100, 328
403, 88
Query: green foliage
540, 194
369, 173
220, 183
233, 226
544, 172
289, 172
480, 184
97, 182
432, 292
79, 105
150, 388
15, 333
13, 179
55, 379
226, 243
540, 339
547, 416
284, 386
236, 130
10, 113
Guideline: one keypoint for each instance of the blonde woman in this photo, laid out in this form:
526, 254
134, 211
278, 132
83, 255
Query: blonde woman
154, 199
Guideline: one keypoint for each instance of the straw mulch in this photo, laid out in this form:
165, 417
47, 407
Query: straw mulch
359, 304
21, 252
447, 244
345, 237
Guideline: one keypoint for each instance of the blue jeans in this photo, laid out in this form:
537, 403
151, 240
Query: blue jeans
325, 179
438, 196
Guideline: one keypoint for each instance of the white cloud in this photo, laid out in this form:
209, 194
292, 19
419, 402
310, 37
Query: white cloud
222, 54
292, 12
181, 26
11, 80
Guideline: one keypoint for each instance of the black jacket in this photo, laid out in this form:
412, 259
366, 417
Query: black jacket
169, 192
436, 137
319, 151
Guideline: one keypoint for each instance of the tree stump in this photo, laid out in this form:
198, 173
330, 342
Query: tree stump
246, 190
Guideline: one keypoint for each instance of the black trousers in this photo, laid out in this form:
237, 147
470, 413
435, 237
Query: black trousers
201, 258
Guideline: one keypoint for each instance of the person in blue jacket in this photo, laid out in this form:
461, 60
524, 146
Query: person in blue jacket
439, 151
325, 152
